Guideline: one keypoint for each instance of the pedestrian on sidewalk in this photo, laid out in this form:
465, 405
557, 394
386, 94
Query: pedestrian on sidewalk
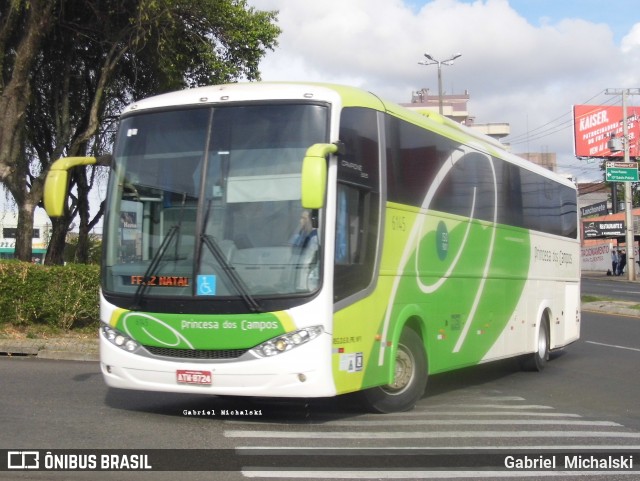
622, 262
614, 262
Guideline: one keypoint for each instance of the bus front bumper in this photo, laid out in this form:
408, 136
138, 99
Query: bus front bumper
297, 373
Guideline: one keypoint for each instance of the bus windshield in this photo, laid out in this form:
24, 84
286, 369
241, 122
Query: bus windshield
206, 202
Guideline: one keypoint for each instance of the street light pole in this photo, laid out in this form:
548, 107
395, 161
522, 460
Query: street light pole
432, 61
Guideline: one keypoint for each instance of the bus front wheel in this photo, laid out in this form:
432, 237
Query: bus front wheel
410, 378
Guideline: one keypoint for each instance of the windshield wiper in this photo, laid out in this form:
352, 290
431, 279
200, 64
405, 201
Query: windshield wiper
174, 230
155, 261
232, 275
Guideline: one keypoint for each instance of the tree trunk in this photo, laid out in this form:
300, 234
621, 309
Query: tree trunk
14, 97
24, 235
55, 250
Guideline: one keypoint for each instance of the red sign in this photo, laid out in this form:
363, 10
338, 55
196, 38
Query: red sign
596, 125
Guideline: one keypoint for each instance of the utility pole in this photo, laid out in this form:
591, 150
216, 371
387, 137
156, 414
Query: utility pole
628, 200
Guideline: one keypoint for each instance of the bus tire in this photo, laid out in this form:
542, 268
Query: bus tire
410, 378
538, 360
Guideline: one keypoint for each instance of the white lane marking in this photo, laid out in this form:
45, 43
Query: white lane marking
613, 345
428, 435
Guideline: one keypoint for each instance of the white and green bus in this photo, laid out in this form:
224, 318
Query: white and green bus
309, 240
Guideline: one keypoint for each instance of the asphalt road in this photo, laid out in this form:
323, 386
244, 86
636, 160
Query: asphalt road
612, 287
586, 398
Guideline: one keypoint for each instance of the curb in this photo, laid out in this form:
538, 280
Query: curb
68, 355
67, 349
620, 308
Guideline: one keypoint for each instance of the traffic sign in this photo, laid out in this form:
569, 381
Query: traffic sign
622, 172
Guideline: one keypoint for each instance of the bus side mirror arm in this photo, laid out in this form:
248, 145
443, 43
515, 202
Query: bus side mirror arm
104, 160
314, 174
57, 182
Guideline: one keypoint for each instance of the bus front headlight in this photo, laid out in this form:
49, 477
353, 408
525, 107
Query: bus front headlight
119, 339
286, 342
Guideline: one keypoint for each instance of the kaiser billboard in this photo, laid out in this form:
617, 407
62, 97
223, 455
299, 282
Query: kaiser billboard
596, 125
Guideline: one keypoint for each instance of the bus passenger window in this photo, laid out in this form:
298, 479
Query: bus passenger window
348, 229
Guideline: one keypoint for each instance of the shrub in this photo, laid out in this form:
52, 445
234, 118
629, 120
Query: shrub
58, 296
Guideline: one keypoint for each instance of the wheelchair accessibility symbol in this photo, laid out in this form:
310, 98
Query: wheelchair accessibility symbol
206, 285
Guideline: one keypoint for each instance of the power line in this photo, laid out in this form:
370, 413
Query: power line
552, 127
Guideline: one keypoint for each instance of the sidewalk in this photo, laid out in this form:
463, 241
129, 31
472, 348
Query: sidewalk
604, 276
67, 348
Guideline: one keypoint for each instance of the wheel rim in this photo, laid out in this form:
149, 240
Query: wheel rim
542, 344
404, 371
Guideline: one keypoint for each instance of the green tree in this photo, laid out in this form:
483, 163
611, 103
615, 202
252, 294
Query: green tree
69, 66
23, 27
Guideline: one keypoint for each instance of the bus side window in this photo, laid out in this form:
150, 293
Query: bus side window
358, 203
348, 229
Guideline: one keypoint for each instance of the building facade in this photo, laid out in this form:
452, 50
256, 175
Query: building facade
454, 106
9, 229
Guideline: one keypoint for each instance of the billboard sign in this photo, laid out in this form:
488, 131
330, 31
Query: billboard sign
595, 125
596, 229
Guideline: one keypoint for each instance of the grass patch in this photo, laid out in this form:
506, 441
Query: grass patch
589, 298
44, 331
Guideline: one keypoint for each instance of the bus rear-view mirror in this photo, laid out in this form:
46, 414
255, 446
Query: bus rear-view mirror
57, 182
314, 175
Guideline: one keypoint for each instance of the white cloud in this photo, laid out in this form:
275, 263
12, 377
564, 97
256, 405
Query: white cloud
632, 40
515, 72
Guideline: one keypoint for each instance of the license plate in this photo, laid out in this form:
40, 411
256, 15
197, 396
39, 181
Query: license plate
202, 378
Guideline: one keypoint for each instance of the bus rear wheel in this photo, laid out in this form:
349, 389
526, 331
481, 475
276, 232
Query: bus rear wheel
538, 359
409, 382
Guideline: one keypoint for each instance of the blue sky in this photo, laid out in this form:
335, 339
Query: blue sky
619, 15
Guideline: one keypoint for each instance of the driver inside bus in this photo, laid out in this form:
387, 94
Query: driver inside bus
305, 248
307, 235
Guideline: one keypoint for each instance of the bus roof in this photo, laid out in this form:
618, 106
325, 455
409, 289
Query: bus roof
344, 95
256, 91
